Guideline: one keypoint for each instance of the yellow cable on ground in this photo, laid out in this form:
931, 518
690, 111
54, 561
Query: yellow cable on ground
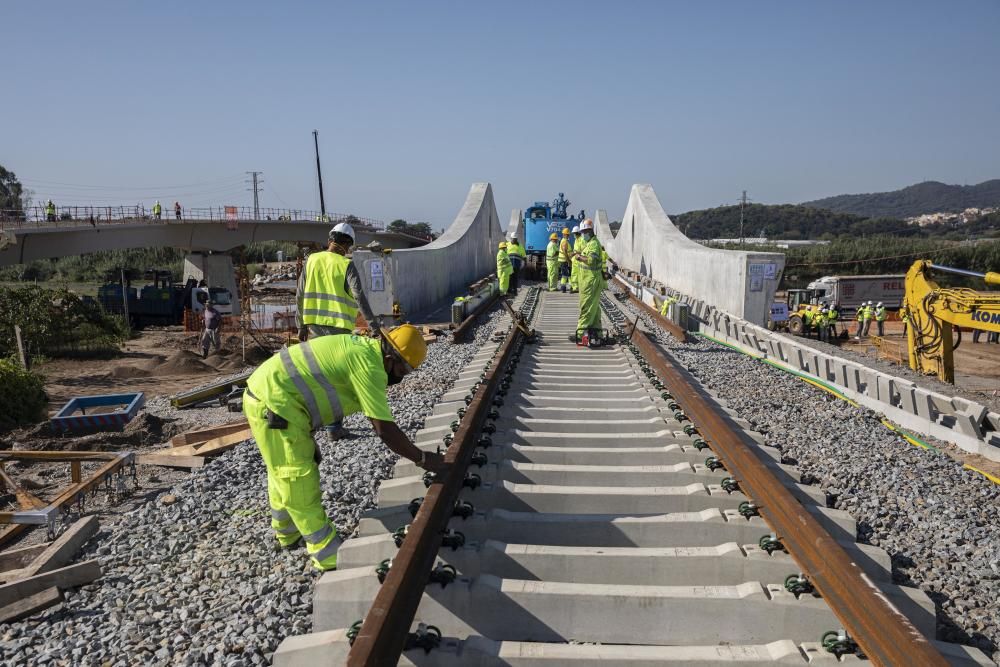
992, 478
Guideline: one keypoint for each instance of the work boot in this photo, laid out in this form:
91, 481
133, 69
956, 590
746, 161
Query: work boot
335, 431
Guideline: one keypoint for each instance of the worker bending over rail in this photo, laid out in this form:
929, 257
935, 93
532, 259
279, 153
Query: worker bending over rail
329, 294
590, 280
504, 267
314, 383
552, 261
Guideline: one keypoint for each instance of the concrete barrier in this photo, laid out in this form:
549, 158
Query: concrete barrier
965, 423
417, 278
741, 283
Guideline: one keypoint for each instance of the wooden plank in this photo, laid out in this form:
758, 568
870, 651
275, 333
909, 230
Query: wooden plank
171, 460
25, 499
65, 577
30, 605
210, 447
10, 532
65, 547
223, 443
202, 435
18, 558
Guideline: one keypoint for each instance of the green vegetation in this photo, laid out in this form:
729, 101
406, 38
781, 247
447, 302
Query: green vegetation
416, 228
57, 323
882, 255
926, 197
792, 222
95, 268
13, 196
21, 395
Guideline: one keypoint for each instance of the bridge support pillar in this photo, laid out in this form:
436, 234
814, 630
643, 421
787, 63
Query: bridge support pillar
216, 270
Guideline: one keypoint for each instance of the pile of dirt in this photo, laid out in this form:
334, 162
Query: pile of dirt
183, 362
152, 429
146, 429
129, 372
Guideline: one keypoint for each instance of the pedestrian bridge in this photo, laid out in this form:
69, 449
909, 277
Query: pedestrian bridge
22, 242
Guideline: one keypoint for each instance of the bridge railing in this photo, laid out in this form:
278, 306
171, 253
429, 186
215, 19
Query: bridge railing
76, 216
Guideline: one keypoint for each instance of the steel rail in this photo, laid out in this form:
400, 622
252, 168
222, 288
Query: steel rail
884, 634
675, 330
463, 329
383, 634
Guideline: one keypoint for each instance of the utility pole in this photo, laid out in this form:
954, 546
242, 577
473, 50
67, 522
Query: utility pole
256, 183
743, 203
319, 175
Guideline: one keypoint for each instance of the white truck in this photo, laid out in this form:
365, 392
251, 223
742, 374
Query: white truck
848, 292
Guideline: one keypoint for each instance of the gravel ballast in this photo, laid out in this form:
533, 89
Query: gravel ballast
192, 577
939, 522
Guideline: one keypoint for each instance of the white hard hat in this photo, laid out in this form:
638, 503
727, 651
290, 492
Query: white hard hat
587, 224
879, 303
343, 228
576, 229
513, 237
869, 303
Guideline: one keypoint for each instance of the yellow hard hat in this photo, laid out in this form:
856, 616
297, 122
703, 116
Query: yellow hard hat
552, 236
409, 343
565, 231
503, 244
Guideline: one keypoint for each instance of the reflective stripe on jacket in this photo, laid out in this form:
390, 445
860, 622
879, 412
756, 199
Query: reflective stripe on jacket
564, 251
326, 300
552, 252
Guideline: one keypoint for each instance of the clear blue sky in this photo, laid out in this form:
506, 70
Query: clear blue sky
415, 101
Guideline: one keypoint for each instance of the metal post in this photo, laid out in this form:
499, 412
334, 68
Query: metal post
319, 174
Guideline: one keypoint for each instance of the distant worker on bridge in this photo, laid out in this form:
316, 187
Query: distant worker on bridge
314, 383
177, 210
552, 261
157, 210
504, 267
574, 274
588, 259
50, 211
565, 255
518, 257
832, 316
867, 313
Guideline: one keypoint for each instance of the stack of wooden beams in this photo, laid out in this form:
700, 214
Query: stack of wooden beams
35, 577
194, 448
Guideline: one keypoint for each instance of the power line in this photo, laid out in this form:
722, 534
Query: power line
39, 183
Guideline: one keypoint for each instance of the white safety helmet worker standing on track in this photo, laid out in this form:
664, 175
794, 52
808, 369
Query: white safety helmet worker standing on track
879, 303
342, 228
587, 224
576, 229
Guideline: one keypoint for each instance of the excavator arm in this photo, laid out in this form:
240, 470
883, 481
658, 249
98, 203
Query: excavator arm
933, 311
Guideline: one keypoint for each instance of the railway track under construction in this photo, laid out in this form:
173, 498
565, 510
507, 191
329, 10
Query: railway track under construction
603, 508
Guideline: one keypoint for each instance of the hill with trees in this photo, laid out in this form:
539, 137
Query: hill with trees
926, 197
785, 221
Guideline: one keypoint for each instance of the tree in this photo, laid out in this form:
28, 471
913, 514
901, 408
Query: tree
420, 229
12, 195
398, 225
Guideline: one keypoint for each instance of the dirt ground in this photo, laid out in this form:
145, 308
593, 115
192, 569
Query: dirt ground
159, 362
977, 365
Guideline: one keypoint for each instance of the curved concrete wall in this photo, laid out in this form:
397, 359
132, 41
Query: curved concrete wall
420, 277
739, 283
33, 243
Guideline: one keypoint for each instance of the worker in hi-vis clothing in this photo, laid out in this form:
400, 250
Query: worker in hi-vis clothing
314, 383
881, 314
588, 261
504, 267
574, 274
329, 294
552, 261
518, 256
665, 305
565, 255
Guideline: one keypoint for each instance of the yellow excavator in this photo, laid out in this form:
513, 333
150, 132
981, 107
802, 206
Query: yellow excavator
932, 311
